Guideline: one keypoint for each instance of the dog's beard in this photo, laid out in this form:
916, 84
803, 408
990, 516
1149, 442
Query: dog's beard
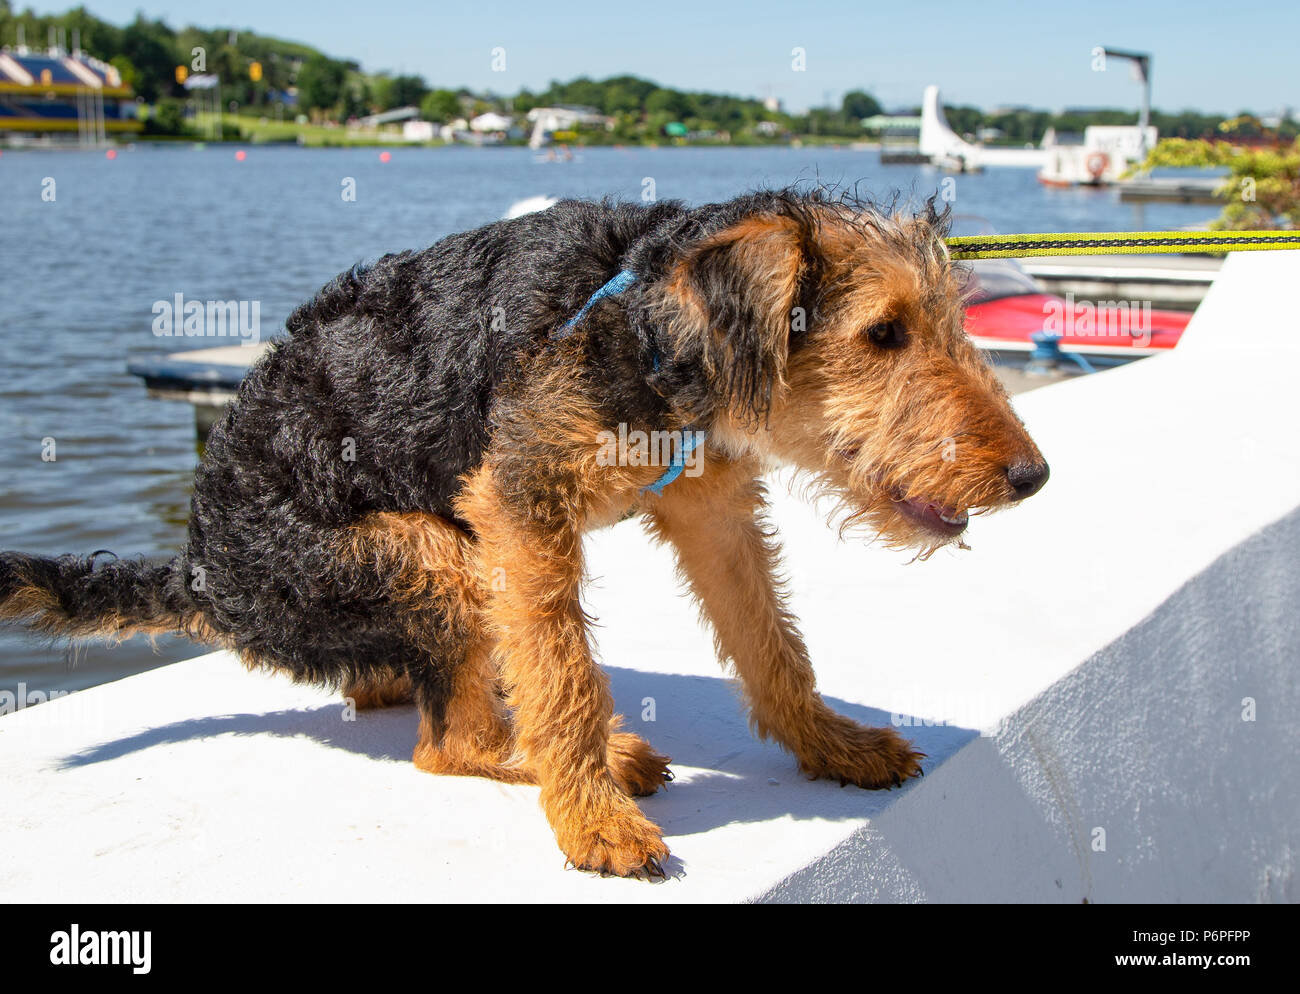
882, 518
871, 514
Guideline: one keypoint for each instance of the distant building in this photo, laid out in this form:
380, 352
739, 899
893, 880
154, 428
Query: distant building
892, 122
449, 131
390, 117
419, 131
772, 105
548, 121
568, 117
55, 93
1277, 119
490, 122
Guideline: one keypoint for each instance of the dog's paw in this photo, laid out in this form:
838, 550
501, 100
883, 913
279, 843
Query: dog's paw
623, 844
851, 753
635, 766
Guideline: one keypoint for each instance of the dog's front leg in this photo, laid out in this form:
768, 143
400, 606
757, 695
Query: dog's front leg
726, 552
561, 703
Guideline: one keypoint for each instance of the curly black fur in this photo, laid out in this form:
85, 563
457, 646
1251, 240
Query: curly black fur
386, 392
80, 598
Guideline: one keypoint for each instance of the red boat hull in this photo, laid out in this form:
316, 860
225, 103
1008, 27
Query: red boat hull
1129, 329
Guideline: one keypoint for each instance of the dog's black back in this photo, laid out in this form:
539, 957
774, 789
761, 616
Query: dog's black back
380, 399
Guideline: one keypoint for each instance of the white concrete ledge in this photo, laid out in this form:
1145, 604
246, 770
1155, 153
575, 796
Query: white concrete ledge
1104, 637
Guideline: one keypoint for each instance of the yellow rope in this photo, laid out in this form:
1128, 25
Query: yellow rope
1120, 243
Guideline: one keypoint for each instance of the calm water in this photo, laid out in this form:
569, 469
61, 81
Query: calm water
80, 276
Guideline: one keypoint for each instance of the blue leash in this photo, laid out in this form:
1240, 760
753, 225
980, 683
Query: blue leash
691, 439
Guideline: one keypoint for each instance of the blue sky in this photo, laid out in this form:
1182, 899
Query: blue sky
1211, 56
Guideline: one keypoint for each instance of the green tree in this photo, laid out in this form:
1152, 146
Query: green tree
440, 105
668, 102
126, 69
356, 99
407, 91
964, 120
150, 45
857, 105
166, 118
320, 83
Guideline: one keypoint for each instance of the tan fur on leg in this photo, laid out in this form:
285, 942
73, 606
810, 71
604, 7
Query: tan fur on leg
560, 699
728, 556
431, 570
369, 695
478, 741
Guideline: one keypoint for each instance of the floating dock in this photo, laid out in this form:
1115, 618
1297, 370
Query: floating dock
206, 378
1171, 190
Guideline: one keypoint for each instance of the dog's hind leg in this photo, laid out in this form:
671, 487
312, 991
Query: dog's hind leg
726, 552
464, 726
426, 568
386, 692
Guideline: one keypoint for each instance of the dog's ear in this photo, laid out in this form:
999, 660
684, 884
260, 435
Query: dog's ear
733, 296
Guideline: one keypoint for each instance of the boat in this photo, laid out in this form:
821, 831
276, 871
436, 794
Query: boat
1011, 318
1103, 159
957, 164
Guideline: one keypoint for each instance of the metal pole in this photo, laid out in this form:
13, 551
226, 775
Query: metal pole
1142, 61
1144, 118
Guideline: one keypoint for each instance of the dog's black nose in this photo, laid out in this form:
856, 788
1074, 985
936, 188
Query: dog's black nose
1027, 478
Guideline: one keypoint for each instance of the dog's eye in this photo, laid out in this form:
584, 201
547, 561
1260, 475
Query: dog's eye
887, 335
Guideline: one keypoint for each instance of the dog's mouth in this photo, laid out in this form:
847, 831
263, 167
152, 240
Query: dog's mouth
932, 515
938, 518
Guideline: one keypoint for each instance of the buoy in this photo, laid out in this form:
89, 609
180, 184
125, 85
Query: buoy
241, 155
385, 156
111, 154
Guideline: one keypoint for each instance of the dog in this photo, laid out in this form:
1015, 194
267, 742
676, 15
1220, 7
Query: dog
395, 502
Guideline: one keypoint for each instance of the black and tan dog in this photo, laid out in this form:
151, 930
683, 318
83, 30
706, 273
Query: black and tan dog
396, 501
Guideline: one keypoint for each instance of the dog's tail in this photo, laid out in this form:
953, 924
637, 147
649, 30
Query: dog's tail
77, 597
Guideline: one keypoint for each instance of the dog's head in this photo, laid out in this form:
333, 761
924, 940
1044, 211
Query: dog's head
830, 336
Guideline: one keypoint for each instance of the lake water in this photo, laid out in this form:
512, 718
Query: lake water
81, 274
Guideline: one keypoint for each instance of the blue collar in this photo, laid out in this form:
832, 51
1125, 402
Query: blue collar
611, 289
691, 438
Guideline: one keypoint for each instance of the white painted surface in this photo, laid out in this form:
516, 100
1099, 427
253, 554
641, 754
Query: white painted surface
1106, 632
